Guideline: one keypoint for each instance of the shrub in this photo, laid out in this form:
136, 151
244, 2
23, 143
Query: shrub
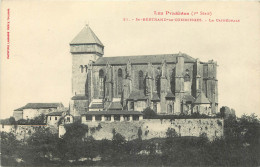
171, 133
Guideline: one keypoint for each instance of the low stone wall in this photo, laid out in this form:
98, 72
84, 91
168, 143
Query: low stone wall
23, 132
154, 128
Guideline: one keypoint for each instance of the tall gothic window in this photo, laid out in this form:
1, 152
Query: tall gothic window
141, 80
157, 84
120, 81
187, 76
101, 83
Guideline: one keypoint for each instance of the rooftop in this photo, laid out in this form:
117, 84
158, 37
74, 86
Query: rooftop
54, 114
202, 99
39, 106
138, 59
86, 36
113, 112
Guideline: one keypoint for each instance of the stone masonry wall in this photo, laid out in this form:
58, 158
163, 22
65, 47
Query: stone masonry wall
23, 132
155, 128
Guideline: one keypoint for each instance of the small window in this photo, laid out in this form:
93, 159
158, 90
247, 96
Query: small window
187, 71
131, 105
81, 68
68, 119
56, 118
186, 78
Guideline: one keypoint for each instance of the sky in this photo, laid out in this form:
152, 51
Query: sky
39, 64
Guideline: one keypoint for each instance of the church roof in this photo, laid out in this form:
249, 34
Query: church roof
79, 97
170, 95
39, 106
54, 114
115, 106
137, 95
86, 36
96, 105
155, 97
202, 99
189, 98
170, 58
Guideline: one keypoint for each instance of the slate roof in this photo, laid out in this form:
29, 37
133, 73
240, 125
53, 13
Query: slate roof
113, 112
86, 36
170, 95
137, 95
81, 97
189, 98
54, 114
115, 106
39, 106
170, 58
96, 105
202, 99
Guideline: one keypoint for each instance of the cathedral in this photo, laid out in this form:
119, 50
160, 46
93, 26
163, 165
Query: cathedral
170, 84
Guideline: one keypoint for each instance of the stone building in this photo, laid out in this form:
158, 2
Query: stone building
168, 83
32, 110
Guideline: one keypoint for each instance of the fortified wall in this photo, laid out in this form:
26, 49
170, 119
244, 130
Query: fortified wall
23, 132
154, 128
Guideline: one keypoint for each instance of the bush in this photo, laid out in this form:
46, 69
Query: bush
39, 120
171, 133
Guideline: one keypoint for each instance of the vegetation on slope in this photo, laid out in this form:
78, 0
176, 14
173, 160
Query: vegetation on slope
239, 147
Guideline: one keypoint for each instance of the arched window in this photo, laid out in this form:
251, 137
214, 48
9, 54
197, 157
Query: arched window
141, 80
120, 81
186, 78
81, 68
169, 108
101, 83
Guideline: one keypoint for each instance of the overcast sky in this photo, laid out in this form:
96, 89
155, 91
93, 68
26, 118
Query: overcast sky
39, 67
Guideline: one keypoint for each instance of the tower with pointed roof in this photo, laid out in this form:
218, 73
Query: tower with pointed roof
85, 48
170, 84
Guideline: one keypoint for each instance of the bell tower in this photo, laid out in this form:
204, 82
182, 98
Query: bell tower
84, 48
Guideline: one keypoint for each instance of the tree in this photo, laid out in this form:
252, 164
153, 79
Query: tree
39, 120
118, 145
171, 133
40, 147
72, 145
12, 121
9, 148
250, 125
75, 130
90, 147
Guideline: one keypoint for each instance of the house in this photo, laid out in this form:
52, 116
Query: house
32, 110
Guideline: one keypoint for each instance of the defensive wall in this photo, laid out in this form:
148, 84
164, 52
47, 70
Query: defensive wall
154, 128
23, 132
